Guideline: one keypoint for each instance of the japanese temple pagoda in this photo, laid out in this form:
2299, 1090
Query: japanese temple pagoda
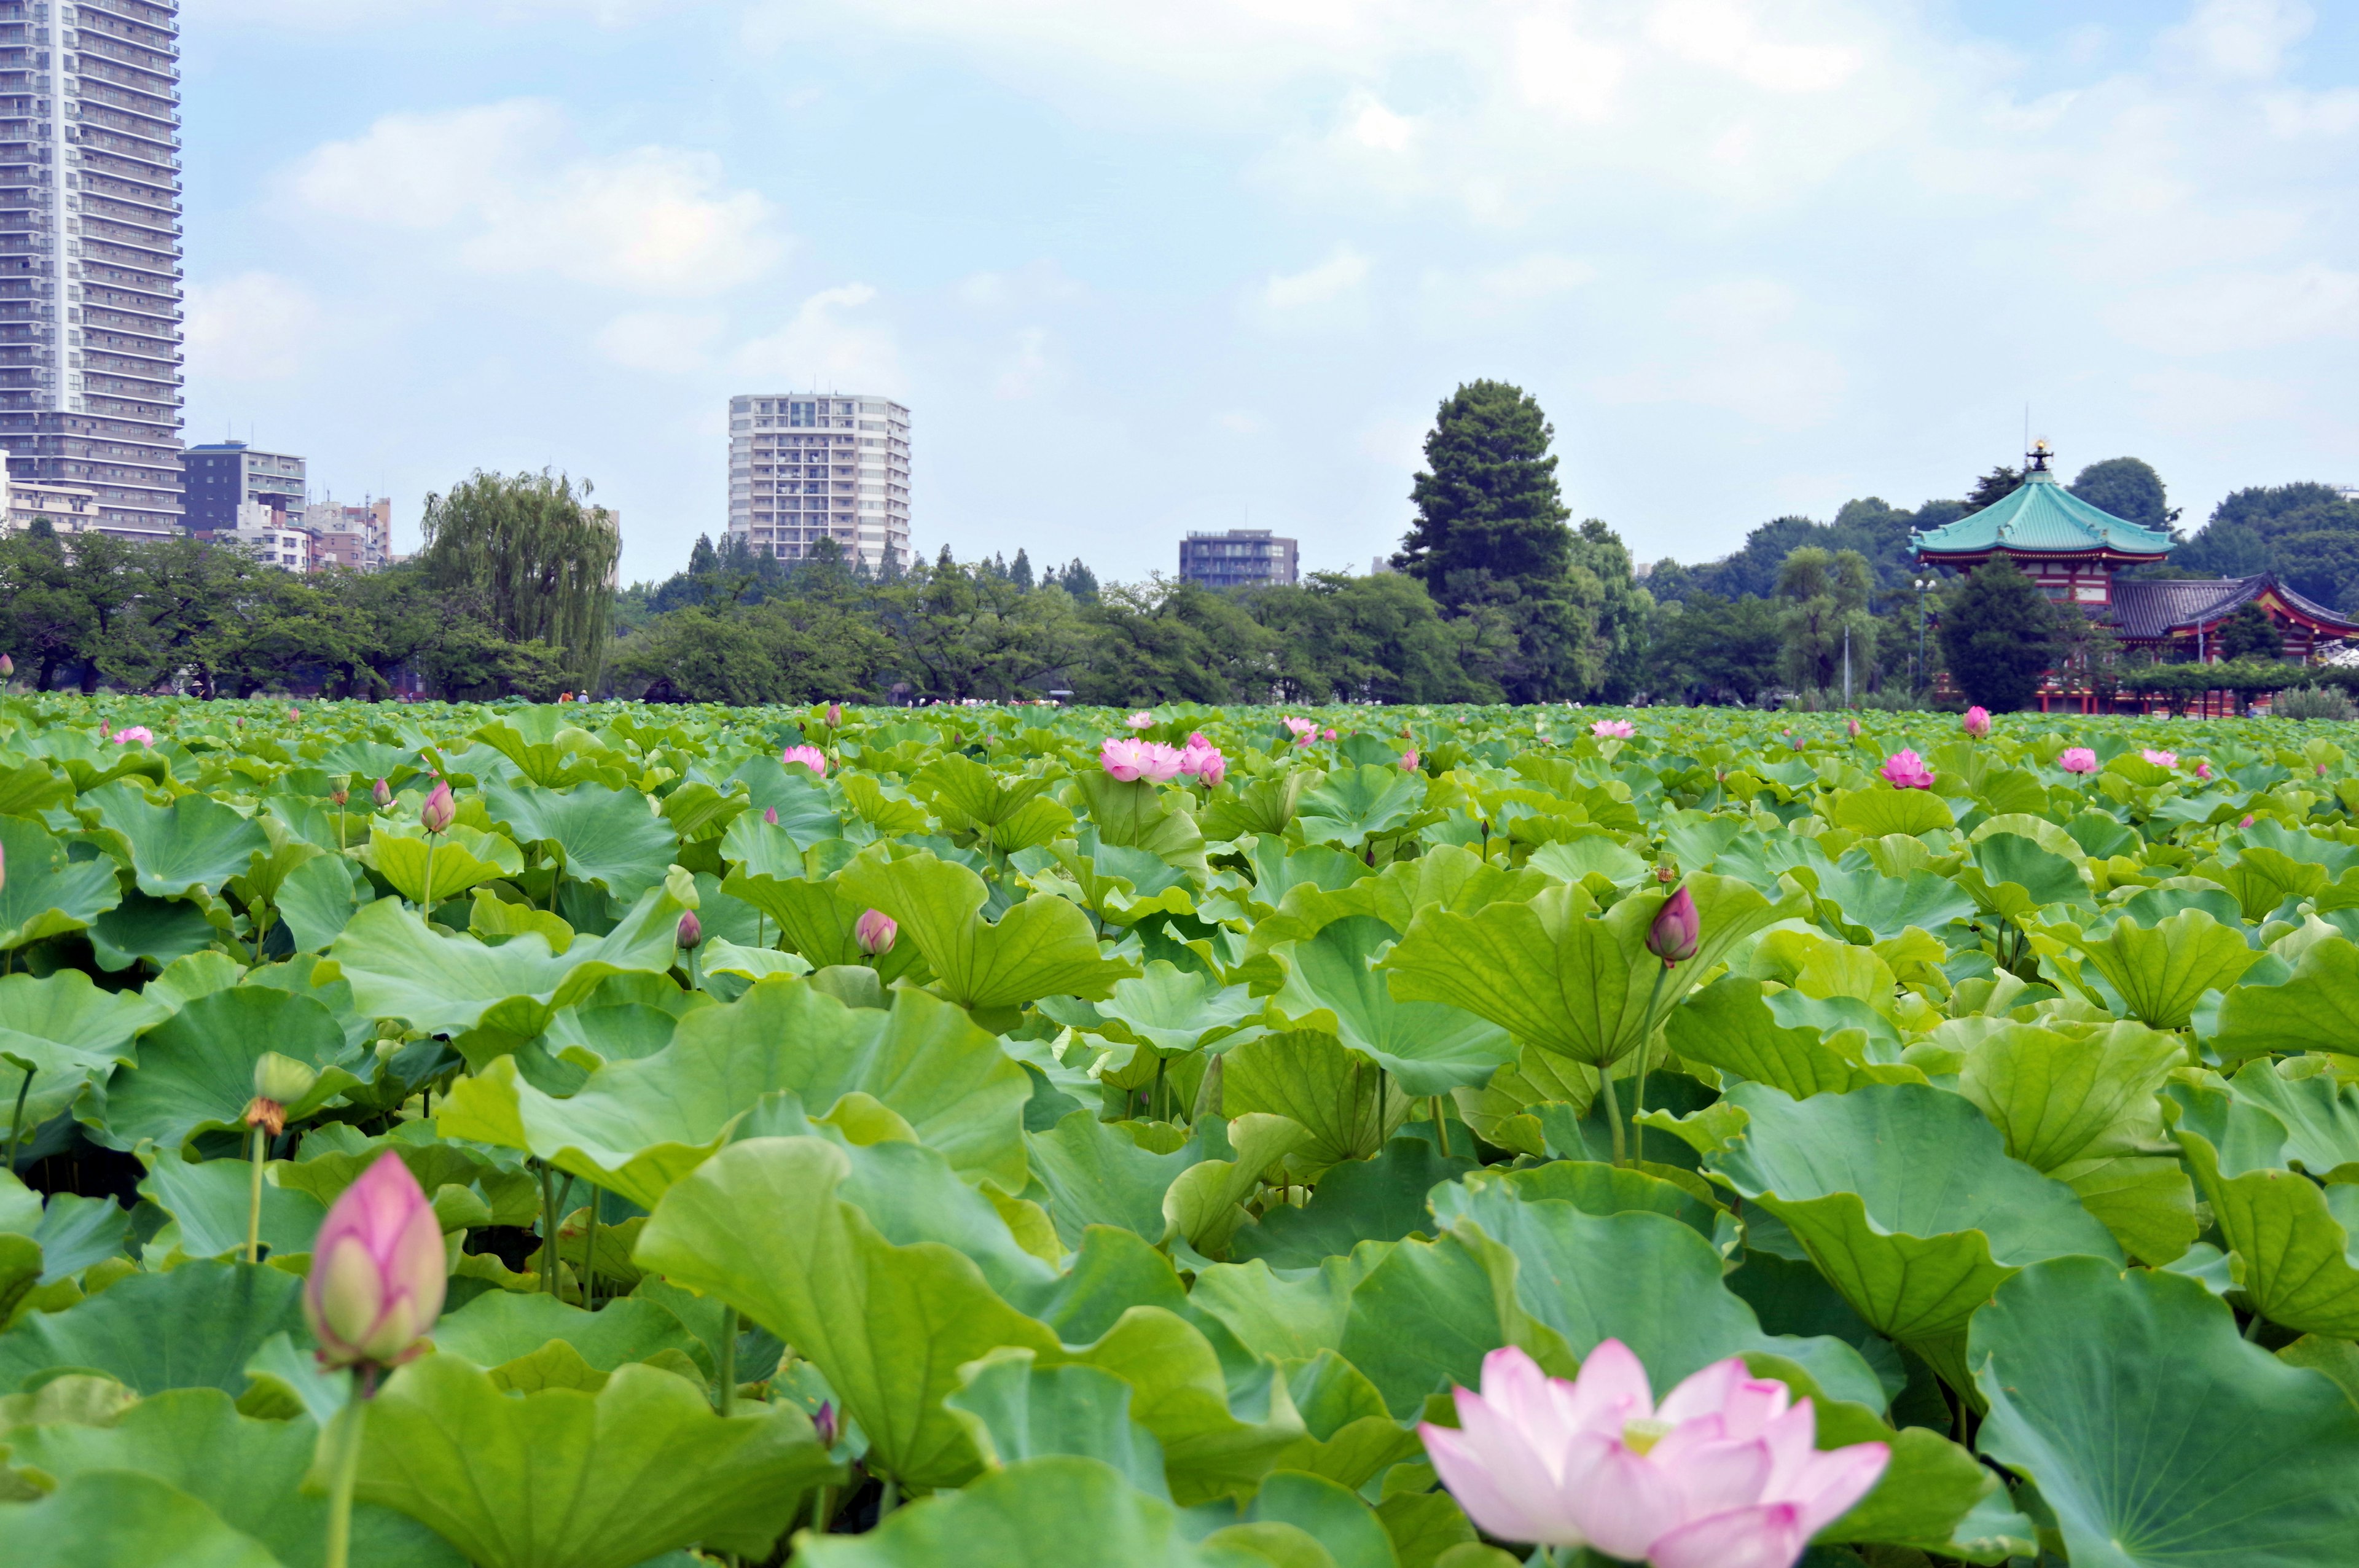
2074, 551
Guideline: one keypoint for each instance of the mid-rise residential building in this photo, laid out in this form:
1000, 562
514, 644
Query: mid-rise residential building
221, 478
89, 253
67, 508
807, 466
272, 544
359, 537
1240, 558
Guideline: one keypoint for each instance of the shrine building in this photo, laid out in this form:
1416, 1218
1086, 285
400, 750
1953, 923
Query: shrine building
2075, 552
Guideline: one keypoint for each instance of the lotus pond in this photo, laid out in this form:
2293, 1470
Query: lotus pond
597, 1135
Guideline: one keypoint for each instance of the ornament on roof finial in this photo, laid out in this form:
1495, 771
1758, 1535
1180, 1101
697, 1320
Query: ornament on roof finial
2040, 454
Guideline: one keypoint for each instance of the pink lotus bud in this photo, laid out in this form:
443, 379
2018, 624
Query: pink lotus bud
2078, 760
2160, 759
1409, 761
1677, 928
1140, 720
690, 932
1907, 770
1977, 721
1612, 729
2202, 770
823, 1422
7, 667
2322, 769
770, 816
383, 794
440, 809
876, 933
1854, 729
1799, 743
295, 715
104, 730
836, 716
1722, 1473
2246, 823
1329, 735
377, 1272
810, 757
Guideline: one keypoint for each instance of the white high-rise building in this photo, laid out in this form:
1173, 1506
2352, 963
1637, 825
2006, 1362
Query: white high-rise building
90, 253
807, 466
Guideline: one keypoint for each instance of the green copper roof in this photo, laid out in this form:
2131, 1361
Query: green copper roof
2042, 516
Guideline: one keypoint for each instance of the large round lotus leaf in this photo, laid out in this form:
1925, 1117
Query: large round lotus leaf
193, 846
194, 1327
121, 1518
46, 893
1429, 1047
603, 836
195, 1071
1905, 1197
63, 1029
2157, 1436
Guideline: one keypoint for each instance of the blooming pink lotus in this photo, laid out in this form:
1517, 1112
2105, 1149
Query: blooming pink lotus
1150, 760
1977, 721
1304, 730
1612, 729
810, 757
2160, 759
2202, 770
1201, 761
1140, 720
130, 732
1722, 1473
377, 1270
1905, 770
2078, 760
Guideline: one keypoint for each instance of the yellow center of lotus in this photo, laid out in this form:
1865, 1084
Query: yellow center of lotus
1639, 1436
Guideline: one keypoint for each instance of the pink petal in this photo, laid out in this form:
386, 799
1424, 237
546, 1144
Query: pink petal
1611, 1391
1769, 1536
1713, 1474
1831, 1482
1622, 1502
1701, 1393
1753, 1404
1488, 1500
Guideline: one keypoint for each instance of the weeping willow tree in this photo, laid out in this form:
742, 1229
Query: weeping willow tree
542, 559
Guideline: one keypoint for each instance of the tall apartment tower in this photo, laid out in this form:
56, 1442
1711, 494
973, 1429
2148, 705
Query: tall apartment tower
89, 253
806, 466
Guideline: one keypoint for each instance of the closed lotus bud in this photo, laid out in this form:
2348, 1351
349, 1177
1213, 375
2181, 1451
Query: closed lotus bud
690, 932
282, 1078
824, 1424
836, 716
3, 867
440, 809
770, 816
1409, 761
378, 1273
383, 794
7, 667
1676, 927
1854, 729
295, 715
876, 933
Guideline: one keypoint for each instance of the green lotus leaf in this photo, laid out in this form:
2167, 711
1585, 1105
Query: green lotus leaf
2156, 1435
1097, 1175
1174, 1010
318, 899
1729, 1025
249, 1472
196, 1326
1058, 1511
544, 748
608, 1480
193, 846
1446, 876
2163, 970
1004, 812
398, 967
121, 1518
1258, 807
2311, 1011
1202, 1203
1350, 1437
2011, 876
159, 930
1876, 810
1333, 982
1590, 1186
819, 920
64, 1031
2290, 1243
46, 894
1905, 1197
1118, 884
195, 1070
461, 858
1556, 978
70, 1232
1382, 1199
2319, 1114
2261, 879
1873, 907
1345, 1528
1042, 947
1136, 815
1336, 1096
606, 836
638, 1126
212, 1202
1354, 805
1016, 1410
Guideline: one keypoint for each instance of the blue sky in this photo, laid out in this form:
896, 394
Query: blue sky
1142, 267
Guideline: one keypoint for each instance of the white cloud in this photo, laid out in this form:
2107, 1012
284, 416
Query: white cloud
506, 184
1726, 35
1373, 125
255, 326
2239, 37
1240, 422
829, 343
665, 343
1332, 281
1028, 369
2231, 312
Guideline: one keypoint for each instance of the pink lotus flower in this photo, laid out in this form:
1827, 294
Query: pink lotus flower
1677, 928
382, 794
130, 732
1203, 762
1614, 730
690, 932
2246, 823
1722, 1473
1854, 729
1977, 721
2202, 770
770, 816
1128, 759
2078, 760
440, 809
876, 932
105, 731
836, 716
810, 757
1300, 726
1798, 744
1140, 720
1409, 761
1905, 770
2160, 759
377, 1270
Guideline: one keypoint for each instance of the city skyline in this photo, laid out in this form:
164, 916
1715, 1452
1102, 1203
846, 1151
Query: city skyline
1751, 260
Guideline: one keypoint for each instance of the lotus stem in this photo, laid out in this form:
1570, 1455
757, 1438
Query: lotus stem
1442, 1126
257, 1150
888, 1498
1613, 1111
16, 1121
1646, 1042
728, 1358
590, 1254
347, 1474
425, 893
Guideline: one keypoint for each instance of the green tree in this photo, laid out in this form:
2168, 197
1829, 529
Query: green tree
1624, 611
1163, 641
539, 556
1993, 487
1705, 648
1487, 505
1339, 638
1822, 598
2321, 564
2249, 630
2129, 489
1998, 636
